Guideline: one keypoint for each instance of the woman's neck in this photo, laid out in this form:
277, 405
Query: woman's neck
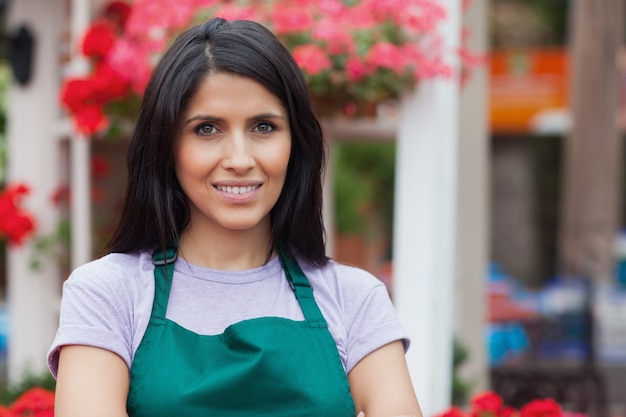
225, 249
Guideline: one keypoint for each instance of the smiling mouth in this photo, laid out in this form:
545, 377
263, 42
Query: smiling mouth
237, 190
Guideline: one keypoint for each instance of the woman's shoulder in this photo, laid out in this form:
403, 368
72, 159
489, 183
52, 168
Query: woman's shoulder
344, 276
348, 287
114, 269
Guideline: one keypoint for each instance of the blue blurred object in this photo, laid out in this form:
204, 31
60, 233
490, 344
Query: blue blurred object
506, 342
620, 258
548, 324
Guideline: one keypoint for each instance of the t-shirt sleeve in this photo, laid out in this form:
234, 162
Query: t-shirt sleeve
375, 324
93, 313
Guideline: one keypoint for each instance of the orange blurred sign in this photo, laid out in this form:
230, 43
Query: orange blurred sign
524, 84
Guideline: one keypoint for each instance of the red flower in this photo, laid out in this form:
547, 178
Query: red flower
108, 84
452, 412
117, 12
76, 93
541, 408
99, 167
98, 39
36, 402
507, 412
14, 223
486, 401
61, 195
90, 119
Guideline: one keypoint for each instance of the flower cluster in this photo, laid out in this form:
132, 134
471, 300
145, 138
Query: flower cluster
15, 223
36, 402
90, 99
361, 49
490, 404
352, 51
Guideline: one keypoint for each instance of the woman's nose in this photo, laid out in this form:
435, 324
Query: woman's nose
238, 153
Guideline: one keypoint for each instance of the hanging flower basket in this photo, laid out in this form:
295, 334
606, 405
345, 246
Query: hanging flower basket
353, 53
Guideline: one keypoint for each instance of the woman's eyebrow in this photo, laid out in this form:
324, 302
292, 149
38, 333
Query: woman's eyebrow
268, 116
203, 117
206, 117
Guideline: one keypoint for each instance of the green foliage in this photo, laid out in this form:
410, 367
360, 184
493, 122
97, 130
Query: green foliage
364, 176
460, 387
53, 246
5, 82
555, 14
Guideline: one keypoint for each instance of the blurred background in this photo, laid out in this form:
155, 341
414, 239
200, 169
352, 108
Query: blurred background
547, 91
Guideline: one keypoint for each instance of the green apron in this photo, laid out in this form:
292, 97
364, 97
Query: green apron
268, 366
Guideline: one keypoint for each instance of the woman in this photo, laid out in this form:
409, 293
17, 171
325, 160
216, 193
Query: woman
204, 305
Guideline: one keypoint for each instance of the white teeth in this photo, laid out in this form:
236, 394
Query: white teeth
237, 190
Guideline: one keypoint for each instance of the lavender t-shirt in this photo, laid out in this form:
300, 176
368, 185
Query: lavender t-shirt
107, 303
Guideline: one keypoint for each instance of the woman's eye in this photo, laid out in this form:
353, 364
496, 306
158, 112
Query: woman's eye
264, 127
206, 130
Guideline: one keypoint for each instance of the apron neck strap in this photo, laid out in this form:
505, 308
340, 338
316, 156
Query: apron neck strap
301, 287
163, 274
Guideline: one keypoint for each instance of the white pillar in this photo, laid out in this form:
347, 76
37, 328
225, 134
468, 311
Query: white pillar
328, 202
473, 208
425, 226
80, 171
33, 158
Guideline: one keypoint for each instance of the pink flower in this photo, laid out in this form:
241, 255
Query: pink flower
356, 69
423, 19
311, 58
133, 61
359, 16
387, 55
342, 44
291, 19
330, 8
335, 37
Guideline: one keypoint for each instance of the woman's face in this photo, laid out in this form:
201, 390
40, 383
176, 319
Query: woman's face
232, 153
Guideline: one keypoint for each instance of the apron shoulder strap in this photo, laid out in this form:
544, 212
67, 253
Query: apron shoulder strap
302, 288
163, 274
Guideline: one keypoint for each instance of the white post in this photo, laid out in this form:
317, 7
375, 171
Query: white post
425, 226
473, 208
328, 202
33, 158
80, 171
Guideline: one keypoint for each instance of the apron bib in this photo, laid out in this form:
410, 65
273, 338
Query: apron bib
268, 366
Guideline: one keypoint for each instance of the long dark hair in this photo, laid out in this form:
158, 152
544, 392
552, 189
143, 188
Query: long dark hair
155, 209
